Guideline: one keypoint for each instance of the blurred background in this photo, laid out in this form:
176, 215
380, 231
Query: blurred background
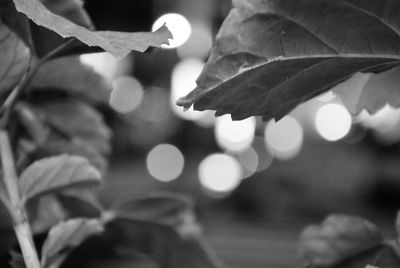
256, 184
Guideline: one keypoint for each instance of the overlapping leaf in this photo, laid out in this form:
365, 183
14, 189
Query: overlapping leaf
15, 58
117, 43
57, 172
270, 56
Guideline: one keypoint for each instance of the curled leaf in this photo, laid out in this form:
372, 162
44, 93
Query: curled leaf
117, 43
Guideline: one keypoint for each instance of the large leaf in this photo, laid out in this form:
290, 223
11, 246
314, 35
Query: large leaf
54, 173
336, 239
160, 243
370, 91
270, 56
64, 237
15, 58
69, 74
117, 43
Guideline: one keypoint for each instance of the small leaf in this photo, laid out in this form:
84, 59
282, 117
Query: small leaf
53, 173
117, 43
49, 212
336, 239
270, 56
371, 92
80, 203
15, 58
65, 236
69, 74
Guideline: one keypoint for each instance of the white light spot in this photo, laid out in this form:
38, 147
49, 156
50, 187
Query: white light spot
327, 96
333, 122
232, 135
249, 162
284, 138
265, 158
127, 94
220, 173
165, 162
103, 63
178, 25
184, 77
199, 43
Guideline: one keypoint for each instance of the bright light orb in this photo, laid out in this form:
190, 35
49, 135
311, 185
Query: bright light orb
127, 94
183, 81
178, 25
234, 136
199, 43
103, 63
220, 173
333, 122
165, 162
284, 138
248, 159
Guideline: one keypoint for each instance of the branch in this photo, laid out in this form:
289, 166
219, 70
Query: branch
21, 225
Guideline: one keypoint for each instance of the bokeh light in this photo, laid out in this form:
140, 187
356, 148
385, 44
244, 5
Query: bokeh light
178, 25
333, 122
248, 159
232, 135
103, 63
284, 138
199, 42
127, 94
183, 81
265, 158
220, 173
165, 162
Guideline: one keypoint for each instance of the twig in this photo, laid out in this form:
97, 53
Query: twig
21, 225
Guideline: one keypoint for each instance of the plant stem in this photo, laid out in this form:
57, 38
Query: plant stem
21, 225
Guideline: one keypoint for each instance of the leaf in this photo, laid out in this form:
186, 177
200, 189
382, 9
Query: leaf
270, 56
65, 236
82, 121
15, 58
160, 243
117, 43
336, 239
80, 203
53, 173
69, 74
371, 92
48, 213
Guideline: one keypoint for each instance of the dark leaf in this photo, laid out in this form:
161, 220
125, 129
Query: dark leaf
117, 43
54, 173
15, 59
336, 239
65, 236
17, 260
69, 74
270, 56
370, 91
45, 213
160, 243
